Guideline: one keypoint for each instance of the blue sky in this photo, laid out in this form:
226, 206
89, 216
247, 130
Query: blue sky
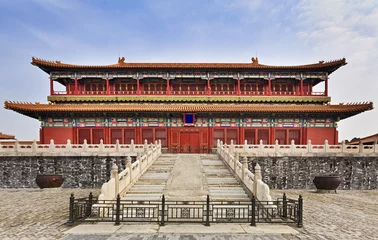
280, 32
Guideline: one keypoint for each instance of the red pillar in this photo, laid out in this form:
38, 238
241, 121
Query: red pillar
51, 86
301, 88
168, 87
138, 87
76, 87
269, 87
208, 87
107, 87
326, 87
239, 92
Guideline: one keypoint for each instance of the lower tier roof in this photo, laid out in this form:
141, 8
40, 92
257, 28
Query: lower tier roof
36, 110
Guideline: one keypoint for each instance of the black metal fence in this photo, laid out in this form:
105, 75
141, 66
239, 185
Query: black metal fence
282, 210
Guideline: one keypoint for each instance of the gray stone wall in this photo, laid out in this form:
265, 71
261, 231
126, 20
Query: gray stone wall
78, 171
298, 172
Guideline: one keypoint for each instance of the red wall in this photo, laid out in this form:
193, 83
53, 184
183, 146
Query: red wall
59, 135
319, 135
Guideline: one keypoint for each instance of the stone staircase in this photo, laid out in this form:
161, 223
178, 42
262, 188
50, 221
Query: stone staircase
151, 184
221, 183
176, 176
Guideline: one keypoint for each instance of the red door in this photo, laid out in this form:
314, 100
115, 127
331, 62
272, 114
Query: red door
189, 142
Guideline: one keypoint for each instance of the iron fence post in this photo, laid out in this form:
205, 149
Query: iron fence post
253, 218
207, 211
300, 212
118, 210
89, 205
162, 223
71, 211
284, 203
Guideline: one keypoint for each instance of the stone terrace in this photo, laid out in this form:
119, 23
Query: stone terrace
41, 214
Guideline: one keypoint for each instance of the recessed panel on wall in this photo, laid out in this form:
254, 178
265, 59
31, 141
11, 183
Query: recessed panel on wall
177, 122
153, 122
56, 122
122, 122
256, 122
225, 122
288, 122
89, 122
320, 123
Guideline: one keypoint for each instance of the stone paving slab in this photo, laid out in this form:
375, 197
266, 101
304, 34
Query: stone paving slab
42, 214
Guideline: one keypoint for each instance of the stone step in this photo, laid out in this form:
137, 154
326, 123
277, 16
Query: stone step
145, 197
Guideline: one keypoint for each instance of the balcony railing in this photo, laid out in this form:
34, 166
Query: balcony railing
188, 92
212, 93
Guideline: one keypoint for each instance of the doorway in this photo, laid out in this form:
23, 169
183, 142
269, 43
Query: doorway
189, 142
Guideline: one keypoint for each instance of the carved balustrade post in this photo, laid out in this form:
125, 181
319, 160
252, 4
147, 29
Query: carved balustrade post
34, 146
232, 147
309, 146
261, 146
101, 147
117, 145
276, 146
244, 167
292, 146
68, 145
360, 147
236, 161
85, 145
132, 146
139, 159
114, 174
245, 147
128, 165
51, 146
326, 146
257, 177
16, 146
145, 146
375, 147
342, 146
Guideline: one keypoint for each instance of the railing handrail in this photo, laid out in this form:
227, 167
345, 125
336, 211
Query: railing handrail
298, 149
68, 148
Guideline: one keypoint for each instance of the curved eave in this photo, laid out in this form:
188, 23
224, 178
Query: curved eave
36, 110
49, 66
198, 99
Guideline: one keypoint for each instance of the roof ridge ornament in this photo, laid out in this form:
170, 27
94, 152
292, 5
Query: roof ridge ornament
121, 60
255, 61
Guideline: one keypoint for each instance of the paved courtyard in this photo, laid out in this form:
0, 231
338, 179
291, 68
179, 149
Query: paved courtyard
41, 214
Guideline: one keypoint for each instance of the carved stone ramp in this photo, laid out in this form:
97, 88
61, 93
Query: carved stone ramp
187, 177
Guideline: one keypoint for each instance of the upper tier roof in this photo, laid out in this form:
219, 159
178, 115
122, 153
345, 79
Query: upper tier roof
49, 66
37, 109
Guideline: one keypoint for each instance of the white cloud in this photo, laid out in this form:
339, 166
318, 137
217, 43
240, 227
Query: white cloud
335, 29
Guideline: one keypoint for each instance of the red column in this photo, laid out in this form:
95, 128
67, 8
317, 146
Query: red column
269, 87
138, 87
168, 87
76, 87
239, 92
107, 87
51, 86
301, 87
326, 87
208, 87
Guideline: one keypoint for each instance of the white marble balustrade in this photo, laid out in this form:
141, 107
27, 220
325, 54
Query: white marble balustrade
121, 182
292, 149
73, 149
253, 181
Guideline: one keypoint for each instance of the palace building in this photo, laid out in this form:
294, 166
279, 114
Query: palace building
188, 106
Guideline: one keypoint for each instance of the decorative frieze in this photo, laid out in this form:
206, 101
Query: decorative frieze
189, 74
199, 122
